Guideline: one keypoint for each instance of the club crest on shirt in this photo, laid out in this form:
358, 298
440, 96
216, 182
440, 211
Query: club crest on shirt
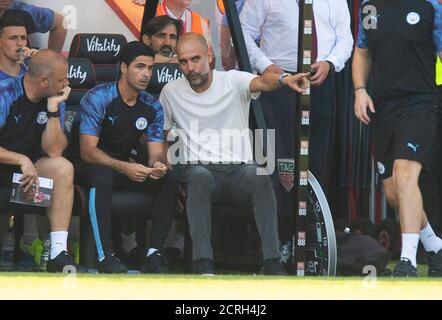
141, 123
381, 168
42, 118
413, 18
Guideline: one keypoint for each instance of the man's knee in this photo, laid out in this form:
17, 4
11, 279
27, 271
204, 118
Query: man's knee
405, 173
62, 169
255, 179
198, 176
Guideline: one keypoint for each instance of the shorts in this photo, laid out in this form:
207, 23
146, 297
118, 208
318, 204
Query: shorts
410, 134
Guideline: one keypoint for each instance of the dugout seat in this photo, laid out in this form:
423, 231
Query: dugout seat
102, 49
162, 73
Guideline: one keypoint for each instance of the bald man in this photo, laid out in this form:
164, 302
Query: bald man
206, 105
32, 141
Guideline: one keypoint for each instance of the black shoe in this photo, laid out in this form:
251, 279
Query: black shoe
203, 267
405, 269
111, 264
64, 263
434, 264
154, 263
273, 267
135, 258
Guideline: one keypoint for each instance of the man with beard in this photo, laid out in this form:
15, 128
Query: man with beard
161, 34
113, 118
205, 104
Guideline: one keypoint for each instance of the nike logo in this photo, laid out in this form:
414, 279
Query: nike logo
17, 118
112, 119
413, 147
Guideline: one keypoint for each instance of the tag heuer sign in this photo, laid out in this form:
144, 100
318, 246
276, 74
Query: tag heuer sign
286, 170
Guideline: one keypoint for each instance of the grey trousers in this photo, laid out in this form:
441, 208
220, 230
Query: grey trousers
236, 185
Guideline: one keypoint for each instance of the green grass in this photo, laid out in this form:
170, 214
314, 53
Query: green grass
177, 287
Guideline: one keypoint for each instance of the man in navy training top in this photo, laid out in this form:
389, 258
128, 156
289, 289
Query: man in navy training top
113, 118
398, 44
32, 141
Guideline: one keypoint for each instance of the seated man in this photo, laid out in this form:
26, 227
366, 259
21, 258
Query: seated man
161, 34
205, 105
32, 141
38, 19
113, 117
13, 50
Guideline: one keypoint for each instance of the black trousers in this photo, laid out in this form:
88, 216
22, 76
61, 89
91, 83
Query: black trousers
102, 181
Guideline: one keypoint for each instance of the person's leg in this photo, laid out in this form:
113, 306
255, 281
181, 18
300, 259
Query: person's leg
164, 209
163, 212
59, 213
431, 242
100, 182
30, 243
405, 177
247, 185
30, 228
201, 186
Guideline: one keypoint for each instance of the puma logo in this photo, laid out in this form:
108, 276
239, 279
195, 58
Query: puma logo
16, 118
112, 119
413, 147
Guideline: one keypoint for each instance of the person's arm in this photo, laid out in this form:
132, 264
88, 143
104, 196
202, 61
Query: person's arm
270, 81
252, 18
53, 139
361, 72
228, 56
57, 35
155, 142
92, 154
7, 157
437, 33
342, 48
30, 175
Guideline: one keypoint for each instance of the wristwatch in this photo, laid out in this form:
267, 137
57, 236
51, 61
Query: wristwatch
55, 114
281, 77
332, 67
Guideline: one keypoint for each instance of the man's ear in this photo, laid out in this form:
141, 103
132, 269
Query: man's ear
146, 40
44, 81
123, 68
210, 56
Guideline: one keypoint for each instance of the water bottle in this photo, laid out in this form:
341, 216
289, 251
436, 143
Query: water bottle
46, 253
8, 246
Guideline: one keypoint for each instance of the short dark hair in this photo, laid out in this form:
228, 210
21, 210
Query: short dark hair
159, 23
134, 49
11, 20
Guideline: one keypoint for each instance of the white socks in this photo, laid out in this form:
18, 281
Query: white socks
409, 246
129, 242
429, 239
58, 242
30, 228
151, 251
